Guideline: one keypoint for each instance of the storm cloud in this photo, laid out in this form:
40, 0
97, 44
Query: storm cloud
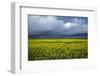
62, 25
39, 24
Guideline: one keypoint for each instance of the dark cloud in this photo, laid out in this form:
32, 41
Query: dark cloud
39, 24
52, 25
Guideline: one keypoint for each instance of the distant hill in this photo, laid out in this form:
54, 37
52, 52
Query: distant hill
80, 35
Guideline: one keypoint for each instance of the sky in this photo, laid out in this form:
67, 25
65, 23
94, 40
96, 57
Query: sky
56, 25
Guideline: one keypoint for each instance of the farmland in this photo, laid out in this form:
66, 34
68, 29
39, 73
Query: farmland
52, 49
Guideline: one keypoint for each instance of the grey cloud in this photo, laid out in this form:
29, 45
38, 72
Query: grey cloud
41, 24
75, 29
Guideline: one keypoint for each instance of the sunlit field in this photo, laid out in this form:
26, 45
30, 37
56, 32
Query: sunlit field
52, 49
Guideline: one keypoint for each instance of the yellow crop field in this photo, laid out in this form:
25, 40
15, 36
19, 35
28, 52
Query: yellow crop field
53, 48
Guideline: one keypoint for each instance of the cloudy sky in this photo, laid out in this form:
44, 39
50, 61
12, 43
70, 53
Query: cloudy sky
57, 25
